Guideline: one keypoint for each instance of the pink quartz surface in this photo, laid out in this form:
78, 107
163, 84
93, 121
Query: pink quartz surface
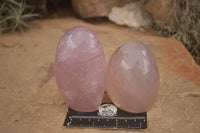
80, 69
132, 80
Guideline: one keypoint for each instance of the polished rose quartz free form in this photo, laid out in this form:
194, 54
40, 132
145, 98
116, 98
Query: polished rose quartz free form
132, 80
80, 69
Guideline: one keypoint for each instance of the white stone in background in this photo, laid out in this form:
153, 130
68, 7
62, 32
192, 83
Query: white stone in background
132, 15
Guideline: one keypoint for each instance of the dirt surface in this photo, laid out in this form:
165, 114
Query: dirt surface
29, 98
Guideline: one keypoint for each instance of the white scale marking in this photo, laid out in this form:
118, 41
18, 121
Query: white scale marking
101, 117
116, 123
93, 124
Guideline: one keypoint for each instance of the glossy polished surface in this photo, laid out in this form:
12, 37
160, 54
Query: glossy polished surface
132, 80
80, 69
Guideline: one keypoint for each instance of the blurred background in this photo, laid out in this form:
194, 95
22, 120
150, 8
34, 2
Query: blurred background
179, 19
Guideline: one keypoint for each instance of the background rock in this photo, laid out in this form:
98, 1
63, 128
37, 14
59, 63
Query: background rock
160, 10
132, 15
94, 8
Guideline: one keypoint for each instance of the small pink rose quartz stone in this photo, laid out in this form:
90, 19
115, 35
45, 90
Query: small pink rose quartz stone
80, 69
132, 80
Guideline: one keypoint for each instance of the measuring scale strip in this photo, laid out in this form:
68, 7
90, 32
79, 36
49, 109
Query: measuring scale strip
106, 117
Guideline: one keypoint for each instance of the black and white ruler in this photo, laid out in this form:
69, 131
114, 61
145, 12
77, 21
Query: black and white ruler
107, 116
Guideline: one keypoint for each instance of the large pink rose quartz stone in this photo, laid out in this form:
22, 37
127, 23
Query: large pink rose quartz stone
132, 80
80, 69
